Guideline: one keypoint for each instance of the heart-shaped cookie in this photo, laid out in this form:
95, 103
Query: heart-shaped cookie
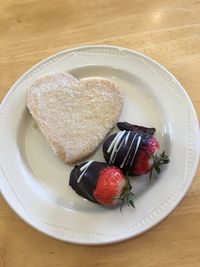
74, 115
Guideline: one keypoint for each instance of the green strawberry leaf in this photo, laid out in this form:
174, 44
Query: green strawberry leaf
158, 161
126, 196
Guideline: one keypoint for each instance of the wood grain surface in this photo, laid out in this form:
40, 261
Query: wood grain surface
169, 32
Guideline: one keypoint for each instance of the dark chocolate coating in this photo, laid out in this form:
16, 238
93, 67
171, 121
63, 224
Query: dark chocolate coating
123, 151
87, 185
135, 128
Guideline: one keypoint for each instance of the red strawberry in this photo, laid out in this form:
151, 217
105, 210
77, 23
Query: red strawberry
109, 186
102, 183
134, 149
144, 160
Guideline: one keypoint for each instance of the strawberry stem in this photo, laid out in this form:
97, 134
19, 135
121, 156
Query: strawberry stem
126, 195
158, 161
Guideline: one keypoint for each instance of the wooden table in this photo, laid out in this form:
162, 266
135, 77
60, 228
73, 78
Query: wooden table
169, 32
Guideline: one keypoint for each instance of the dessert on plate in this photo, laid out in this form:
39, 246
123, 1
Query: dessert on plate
133, 151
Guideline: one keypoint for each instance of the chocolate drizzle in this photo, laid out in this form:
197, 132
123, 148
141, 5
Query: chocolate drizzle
122, 149
124, 153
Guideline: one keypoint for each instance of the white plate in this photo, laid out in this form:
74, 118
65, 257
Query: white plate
35, 183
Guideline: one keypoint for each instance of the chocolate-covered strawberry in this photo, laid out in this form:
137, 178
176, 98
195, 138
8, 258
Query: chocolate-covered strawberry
101, 183
134, 149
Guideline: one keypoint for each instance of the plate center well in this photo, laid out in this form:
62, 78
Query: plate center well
140, 107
